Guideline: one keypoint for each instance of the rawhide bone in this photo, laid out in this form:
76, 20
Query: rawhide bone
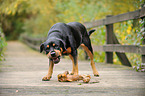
66, 77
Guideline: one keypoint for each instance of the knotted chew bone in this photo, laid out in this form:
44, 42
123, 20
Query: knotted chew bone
66, 77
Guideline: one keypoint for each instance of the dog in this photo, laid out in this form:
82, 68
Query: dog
64, 39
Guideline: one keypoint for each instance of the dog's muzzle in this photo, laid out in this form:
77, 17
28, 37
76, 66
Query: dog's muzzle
55, 57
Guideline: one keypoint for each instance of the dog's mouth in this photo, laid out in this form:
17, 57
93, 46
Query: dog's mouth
56, 59
54, 56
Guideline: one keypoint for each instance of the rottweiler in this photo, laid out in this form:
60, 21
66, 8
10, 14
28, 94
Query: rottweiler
64, 39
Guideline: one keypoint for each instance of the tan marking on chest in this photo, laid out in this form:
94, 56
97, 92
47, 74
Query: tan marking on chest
68, 50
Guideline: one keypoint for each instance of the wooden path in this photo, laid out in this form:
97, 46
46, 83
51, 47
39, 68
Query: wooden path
21, 74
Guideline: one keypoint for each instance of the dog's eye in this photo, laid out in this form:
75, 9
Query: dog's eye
56, 46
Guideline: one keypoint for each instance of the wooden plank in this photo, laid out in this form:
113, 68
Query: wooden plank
34, 39
32, 46
122, 56
121, 48
142, 12
26, 41
94, 23
118, 18
114, 19
97, 48
123, 17
123, 59
142, 50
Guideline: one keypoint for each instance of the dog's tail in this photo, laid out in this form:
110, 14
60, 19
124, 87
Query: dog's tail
91, 31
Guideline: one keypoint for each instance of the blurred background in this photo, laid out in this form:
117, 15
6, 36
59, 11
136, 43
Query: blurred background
33, 18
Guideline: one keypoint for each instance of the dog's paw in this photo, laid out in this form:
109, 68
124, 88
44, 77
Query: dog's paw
46, 78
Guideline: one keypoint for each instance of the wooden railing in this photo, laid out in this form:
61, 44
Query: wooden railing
33, 42
112, 43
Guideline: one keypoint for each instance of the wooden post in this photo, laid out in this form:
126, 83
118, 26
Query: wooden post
109, 37
143, 42
143, 33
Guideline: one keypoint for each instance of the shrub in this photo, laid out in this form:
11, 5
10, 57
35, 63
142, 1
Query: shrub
2, 45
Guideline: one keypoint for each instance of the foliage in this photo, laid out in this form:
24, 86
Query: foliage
35, 17
62, 11
12, 14
140, 67
123, 6
2, 45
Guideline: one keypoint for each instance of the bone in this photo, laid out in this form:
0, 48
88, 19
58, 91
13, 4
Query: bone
66, 77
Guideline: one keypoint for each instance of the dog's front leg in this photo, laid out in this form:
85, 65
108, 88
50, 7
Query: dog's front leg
50, 71
75, 64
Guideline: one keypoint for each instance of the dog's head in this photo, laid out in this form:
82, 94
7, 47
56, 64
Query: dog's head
53, 49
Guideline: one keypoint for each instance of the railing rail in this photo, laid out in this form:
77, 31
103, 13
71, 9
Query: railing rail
118, 18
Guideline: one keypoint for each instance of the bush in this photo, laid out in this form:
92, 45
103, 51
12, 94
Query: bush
2, 45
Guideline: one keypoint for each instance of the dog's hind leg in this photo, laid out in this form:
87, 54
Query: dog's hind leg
87, 47
75, 64
50, 71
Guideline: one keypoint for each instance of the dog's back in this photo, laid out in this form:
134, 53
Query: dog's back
78, 30
75, 30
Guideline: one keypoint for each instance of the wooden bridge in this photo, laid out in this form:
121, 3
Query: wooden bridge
22, 71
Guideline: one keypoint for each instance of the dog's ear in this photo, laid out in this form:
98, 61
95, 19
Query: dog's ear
63, 45
41, 47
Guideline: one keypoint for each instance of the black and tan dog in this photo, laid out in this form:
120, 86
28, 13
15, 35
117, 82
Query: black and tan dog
64, 39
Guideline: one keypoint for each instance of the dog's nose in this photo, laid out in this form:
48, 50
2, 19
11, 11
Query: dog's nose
53, 54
